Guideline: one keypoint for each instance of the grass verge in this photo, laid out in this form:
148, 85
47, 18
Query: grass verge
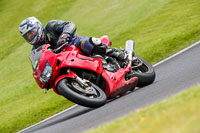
179, 114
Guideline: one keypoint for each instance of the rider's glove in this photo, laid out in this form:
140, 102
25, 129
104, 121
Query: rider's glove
64, 38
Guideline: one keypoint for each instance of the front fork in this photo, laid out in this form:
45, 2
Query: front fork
81, 82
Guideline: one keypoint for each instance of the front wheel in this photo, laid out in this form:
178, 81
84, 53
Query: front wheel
144, 71
90, 96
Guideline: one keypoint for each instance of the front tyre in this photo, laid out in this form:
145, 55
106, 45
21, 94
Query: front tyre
90, 96
144, 71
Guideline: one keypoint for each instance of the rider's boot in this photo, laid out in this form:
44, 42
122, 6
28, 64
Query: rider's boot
104, 49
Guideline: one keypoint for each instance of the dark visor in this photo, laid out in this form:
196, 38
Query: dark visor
30, 35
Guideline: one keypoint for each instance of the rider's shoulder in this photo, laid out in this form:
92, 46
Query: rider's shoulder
51, 23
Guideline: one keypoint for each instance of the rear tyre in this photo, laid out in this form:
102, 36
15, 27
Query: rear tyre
92, 96
145, 73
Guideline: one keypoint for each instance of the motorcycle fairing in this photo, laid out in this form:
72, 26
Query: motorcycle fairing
67, 59
116, 86
76, 60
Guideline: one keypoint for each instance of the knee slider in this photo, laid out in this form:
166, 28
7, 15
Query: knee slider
95, 41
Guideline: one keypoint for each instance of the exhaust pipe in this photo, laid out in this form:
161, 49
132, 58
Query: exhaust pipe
130, 48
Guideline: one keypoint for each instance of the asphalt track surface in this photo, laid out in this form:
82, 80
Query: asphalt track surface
174, 74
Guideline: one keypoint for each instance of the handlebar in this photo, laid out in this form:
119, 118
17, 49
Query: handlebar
60, 47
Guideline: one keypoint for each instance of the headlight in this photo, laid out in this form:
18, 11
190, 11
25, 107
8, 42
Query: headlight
46, 73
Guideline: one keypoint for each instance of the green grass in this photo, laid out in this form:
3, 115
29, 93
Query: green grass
158, 27
173, 27
179, 114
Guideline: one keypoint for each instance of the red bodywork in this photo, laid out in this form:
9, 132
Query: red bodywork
72, 57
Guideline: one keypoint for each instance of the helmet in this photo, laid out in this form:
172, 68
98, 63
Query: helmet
31, 29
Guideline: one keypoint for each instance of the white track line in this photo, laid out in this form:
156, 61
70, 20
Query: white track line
168, 58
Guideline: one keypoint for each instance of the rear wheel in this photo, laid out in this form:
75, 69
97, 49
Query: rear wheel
144, 71
89, 96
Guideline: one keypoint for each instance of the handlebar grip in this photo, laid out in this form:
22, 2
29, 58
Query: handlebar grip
60, 47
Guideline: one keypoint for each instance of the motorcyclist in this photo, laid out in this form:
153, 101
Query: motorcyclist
57, 32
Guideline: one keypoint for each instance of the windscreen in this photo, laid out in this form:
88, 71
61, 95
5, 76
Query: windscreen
35, 57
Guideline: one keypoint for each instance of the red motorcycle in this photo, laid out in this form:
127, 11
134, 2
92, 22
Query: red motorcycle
89, 80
